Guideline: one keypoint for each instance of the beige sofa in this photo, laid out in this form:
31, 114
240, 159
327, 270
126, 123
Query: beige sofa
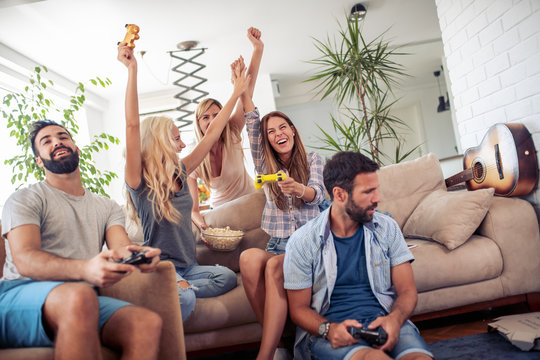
156, 291
496, 265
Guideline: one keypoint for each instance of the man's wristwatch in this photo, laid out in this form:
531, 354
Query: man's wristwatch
324, 328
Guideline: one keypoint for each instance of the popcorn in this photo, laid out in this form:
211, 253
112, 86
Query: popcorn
223, 239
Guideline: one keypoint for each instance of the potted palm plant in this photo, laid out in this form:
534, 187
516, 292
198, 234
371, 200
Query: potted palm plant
361, 73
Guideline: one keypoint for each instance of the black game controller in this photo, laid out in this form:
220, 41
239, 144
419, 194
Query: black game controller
136, 258
373, 337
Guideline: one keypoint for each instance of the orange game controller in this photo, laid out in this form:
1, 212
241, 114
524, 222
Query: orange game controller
131, 35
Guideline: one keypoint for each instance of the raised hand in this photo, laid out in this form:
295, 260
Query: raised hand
237, 67
126, 56
239, 77
254, 36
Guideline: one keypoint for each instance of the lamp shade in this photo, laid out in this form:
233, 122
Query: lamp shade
358, 11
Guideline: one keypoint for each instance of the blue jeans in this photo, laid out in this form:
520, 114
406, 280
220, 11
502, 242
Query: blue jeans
277, 245
409, 341
204, 281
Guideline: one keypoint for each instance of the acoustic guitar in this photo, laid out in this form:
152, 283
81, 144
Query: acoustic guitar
505, 160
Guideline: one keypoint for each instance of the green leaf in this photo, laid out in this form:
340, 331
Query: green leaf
20, 111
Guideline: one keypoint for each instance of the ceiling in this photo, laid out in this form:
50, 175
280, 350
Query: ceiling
77, 38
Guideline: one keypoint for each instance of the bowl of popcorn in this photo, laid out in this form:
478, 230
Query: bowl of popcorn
222, 239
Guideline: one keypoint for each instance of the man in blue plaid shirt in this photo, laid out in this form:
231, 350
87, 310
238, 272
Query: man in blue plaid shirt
350, 267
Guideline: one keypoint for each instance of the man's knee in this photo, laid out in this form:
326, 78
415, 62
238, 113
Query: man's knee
146, 322
416, 356
72, 304
370, 354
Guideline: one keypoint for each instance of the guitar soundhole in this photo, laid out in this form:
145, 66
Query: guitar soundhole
478, 170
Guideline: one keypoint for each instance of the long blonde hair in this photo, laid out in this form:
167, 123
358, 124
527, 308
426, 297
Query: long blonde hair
298, 166
229, 137
160, 168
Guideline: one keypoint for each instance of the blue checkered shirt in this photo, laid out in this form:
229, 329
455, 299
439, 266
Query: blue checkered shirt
311, 262
276, 222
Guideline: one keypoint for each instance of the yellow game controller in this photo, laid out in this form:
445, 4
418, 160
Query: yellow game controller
131, 35
261, 179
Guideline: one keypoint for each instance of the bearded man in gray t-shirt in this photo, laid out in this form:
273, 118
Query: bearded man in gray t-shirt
55, 231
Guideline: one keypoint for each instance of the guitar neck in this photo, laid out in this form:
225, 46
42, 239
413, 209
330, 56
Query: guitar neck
460, 177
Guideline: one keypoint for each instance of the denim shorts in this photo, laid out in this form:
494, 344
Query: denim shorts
410, 341
277, 245
21, 316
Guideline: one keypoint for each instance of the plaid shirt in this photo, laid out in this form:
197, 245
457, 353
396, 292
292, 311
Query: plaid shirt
311, 262
276, 222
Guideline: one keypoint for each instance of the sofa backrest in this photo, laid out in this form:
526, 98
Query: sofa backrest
244, 213
404, 185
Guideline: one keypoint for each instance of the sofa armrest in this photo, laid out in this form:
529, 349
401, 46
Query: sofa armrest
156, 291
512, 224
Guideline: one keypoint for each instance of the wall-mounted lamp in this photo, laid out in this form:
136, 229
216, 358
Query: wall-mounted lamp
443, 105
358, 12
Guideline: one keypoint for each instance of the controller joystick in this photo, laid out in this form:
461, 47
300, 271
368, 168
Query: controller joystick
261, 179
132, 34
373, 337
136, 258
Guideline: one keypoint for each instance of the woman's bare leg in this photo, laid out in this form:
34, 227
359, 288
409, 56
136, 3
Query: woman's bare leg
275, 308
252, 267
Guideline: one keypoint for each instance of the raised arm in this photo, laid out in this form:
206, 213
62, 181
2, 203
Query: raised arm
254, 36
241, 80
133, 133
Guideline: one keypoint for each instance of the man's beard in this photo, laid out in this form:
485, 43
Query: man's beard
357, 213
65, 165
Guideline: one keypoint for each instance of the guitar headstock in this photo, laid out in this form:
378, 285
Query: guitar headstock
132, 34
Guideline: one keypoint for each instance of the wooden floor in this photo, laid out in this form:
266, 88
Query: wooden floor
466, 324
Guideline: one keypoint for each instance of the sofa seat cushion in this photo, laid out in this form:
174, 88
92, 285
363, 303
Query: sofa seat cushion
436, 267
404, 185
229, 309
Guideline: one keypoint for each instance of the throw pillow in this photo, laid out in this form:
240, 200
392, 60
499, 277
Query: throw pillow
450, 218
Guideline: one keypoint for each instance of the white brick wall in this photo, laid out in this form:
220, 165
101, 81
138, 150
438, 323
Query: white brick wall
492, 49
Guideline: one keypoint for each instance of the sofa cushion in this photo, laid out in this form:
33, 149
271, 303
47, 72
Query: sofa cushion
449, 218
244, 213
404, 185
436, 267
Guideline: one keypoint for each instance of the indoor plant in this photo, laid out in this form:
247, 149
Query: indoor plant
362, 73
22, 109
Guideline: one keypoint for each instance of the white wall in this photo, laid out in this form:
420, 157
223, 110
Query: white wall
492, 50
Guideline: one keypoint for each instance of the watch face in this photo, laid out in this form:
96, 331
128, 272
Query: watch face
322, 329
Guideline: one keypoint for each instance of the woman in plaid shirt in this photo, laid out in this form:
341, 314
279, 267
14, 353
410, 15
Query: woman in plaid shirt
276, 147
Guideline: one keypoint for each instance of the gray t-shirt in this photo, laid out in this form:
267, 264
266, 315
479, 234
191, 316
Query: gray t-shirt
71, 226
176, 241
